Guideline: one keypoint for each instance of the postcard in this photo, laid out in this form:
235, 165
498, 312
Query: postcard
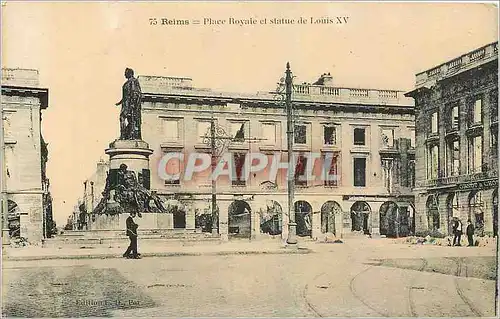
249, 159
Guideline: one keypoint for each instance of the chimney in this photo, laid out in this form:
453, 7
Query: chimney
102, 168
325, 79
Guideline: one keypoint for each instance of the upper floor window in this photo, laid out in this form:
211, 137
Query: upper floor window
171, 130
300, 171
411, 173
434, 122
454, 114
330, 135
475, 154
239, 171
388, 138
494, 141
477, 111
331, 173
269, 133
203, 130
412, 138
433, 162
238, 131
359, 168
453, 157
494, 106
173, 169
300, 134
387, 173
359, 136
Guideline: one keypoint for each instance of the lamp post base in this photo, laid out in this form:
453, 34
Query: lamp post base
292, 231
215, 231
5, 237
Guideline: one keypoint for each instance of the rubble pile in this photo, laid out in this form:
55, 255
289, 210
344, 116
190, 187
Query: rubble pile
485, 241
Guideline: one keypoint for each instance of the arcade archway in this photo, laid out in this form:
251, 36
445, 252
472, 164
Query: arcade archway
204, 218
433, 212
240, 219
303, 218
389, 219
476, 211
360, 214
14, 219
271, 219
453, 210
329, 211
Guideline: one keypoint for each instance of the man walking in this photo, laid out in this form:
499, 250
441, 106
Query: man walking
132, 235
458, 233
470, 233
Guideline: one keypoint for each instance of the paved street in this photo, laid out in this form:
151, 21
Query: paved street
357, 278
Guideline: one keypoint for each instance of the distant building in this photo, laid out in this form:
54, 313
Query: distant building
368, 133
26, 154
457, 142
92, 194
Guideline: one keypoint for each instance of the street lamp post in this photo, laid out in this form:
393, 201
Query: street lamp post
215, 222
292, 226
219, 140
3, 186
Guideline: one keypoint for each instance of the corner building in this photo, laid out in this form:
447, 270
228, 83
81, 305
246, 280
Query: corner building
28, 198
456, 110
369, 133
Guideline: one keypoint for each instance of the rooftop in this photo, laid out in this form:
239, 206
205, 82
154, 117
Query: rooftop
321, 90
20, 77
458, 65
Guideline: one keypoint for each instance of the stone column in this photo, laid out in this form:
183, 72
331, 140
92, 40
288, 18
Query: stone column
223, 219
421, 223
285, 220
190, 217
316, 224
488, 211
443, 213
375, 218
255, 230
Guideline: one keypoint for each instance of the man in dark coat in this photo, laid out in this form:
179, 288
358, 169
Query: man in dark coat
458, 233
454, 225
470, 233
132, 235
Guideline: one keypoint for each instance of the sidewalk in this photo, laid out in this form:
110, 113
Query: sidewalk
153, 250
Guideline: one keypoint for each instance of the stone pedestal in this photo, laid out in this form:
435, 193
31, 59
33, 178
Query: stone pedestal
118, 221
133, 153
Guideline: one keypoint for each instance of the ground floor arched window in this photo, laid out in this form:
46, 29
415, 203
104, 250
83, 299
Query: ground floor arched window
329, 212
433, 212
453, 210
240, 219
360, 214
271, 219
303, 218
476, 211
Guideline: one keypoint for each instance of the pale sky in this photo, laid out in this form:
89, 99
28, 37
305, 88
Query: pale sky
81, 50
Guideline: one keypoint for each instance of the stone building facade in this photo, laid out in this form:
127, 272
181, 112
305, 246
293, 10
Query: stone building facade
456, 110
26, 155
368, 133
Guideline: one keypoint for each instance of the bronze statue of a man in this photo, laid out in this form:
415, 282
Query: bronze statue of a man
130, 115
